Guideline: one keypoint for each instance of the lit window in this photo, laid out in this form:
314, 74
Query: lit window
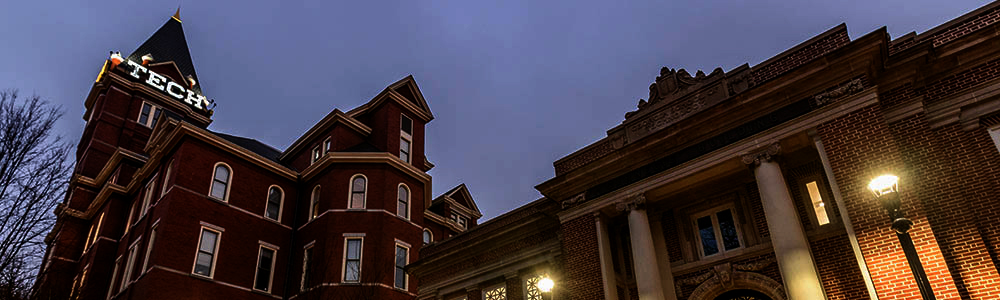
265, 265
352, 260
220, 182
149, 249
314, 205
273, 209
148, 115
819, 207
498, 292
358, 186
403, 202
327, 145
317, 153
402, 257
306, 269
405, 136
207, 246
428, 236
147, 196
95, 231
131, 214
531, 291
166, 177
130, 263
717, 232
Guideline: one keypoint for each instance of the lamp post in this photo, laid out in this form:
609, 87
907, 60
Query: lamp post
545, 285
886, 190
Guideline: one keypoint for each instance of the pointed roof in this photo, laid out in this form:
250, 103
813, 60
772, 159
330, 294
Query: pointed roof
168, 44
460, 195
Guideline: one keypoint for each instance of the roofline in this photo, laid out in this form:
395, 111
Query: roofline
335, 116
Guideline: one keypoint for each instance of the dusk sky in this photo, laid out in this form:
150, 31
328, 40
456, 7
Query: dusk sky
514, 85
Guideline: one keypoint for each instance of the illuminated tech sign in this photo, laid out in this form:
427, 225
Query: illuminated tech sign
160, 82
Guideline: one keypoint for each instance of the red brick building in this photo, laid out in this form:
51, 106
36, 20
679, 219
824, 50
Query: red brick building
751, 183
160, 207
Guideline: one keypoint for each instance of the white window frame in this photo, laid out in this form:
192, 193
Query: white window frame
166, 177
149, 248
395, 269
350, 192
131, 215
147, 195
129, 265
408, 202
314, 198
114, 277
95, 232
408, 137
327, 144
215, 250
270, 281
361, 256
317, 153
151, 119
307, 257
995, 135
430, 236
825, 197
711, 213
229, 182
502, 285
281, 202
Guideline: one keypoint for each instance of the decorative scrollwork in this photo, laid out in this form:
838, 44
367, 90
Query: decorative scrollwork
765, 154
634, 202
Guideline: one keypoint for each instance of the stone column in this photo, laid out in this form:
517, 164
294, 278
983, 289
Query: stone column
791, 248
647, 273
607, 262
663, 257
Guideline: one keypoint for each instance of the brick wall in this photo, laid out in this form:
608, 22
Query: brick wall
838, 269
762, 73
582, 270
947, 86
860, 147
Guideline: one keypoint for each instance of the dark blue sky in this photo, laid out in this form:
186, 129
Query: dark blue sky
514, 85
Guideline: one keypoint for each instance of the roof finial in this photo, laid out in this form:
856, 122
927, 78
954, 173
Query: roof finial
177, 15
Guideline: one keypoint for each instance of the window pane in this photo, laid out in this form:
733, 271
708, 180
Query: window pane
222, 174
144, 114
531, 288
427, 237
204, 264
359, 184
707, 234
407, 125
273, 203
497, 293
208, 241
156, 116
357, 200
817, 203
400, 278
730, 240
400, 257
219, 190
351, 271
401, 209
264, 269
353, 249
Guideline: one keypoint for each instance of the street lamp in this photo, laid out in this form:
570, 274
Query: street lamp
886, 190
545, 285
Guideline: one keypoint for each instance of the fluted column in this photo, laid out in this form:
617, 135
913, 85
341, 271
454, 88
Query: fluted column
647, 273
791, 248
607, 262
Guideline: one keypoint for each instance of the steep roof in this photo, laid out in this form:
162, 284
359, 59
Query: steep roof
252, 145
168, 44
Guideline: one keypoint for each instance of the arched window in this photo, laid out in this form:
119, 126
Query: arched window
428, 236
403, 202
220, 182
274, 200
359, 184
314, 204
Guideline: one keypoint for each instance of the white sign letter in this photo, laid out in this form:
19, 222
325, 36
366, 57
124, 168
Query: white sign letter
194, 100
136, 68
173, 86
156, 80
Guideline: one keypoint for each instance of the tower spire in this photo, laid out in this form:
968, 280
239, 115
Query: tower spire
177, 15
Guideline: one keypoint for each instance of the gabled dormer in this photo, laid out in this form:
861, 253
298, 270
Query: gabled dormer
334, 133
457, 207
397, 116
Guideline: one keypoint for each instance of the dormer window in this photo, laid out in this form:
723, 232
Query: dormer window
328, 145
148, 115
317, 153
461, 220
405, 137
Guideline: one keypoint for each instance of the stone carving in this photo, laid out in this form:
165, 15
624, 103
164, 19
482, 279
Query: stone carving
672, 84
850, 87
765, 154
573, 201
634, 202
693, 280
755, 265
724, 274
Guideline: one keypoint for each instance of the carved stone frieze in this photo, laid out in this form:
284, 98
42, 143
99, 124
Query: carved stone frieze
764, 154
634, 202
573, 201
848, 88
754, 265
672, 85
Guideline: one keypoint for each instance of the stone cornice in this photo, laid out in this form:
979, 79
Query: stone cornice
370, 157
764, 154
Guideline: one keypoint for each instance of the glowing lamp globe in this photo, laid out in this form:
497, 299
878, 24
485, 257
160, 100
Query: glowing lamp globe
884, 185
546, 284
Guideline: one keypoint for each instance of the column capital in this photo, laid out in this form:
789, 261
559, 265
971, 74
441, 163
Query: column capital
634, 202
760, 155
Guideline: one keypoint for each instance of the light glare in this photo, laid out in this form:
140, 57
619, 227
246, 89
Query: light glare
883, 184
546, 284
